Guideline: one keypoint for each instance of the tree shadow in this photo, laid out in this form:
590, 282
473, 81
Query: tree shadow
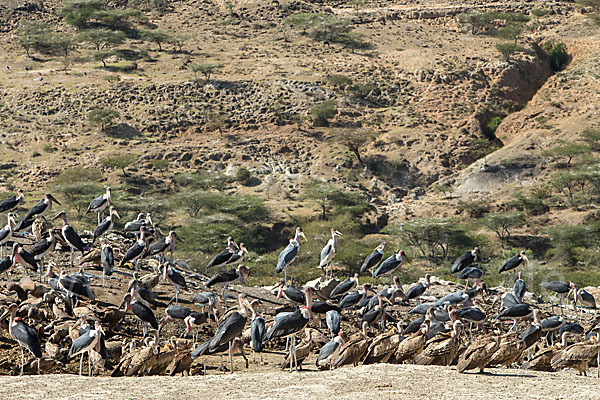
123, 131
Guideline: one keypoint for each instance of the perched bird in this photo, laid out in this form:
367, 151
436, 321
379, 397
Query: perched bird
6, 233
23, 334
519, 288
85, 343
11, 203
159, 247
412, 345
136, 250
478, 354
578, 355
328, 350
302, 351
390, 265
288, 255
345, 286
373, 259
99, 204
231, 328
442, 349
44, 247
333, 322
71, 236
328, 253
419, 288
106, 225
136, 224
290, 323
141, 311
354, 298
220, 260
39, 209
470, 273
258, 330
514, 262
465, 260
171, 275
559, 287
226, 278
107, 260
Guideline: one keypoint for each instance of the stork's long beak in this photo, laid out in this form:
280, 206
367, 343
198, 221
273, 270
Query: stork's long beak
54, 199
304, 236
406, 258
178, 238
385, 299
55, 217
339, 233
526, 259
116, 214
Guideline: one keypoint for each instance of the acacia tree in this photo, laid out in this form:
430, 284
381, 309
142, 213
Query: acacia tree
502, 223
355, 139
322, 193
120, 161
102, 117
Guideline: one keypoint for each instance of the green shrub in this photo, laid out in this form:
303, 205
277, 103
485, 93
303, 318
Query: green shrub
557, 52
322, 112
507, 49
492, 125
339, 81
540, 12
243, 176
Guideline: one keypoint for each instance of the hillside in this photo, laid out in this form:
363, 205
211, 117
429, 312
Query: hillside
406, 107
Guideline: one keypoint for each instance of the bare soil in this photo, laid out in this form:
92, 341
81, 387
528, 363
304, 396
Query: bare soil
382, 381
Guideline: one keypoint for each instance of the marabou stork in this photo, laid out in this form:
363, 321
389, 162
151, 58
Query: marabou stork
136, 250
142, 294
172, 313
291, 293
374, 258
71, 237
159, 247
223, 257
209, 299
465, 260
99, 204
375, 314
171, 275
390, 265
75, 285
28, 261
106, 225
333, 320
288, 255
6, 233
344, 287
328, 252
420, 288
136, 224
353, 298
226, 278
11, 203
324, 357
258, 330
90, 340
470, 273
231, 328
23, 334
142, 312
44, 247
559, 287
514, 262
519, 288
40, 208
9, 261
517, 311
290, 323
107, 260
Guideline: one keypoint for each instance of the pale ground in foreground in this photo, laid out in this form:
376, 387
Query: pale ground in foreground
374, 381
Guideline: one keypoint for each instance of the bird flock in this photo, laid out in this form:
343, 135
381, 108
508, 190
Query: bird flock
340, 321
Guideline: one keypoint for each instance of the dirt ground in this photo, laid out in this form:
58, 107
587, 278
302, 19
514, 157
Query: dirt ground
381, 381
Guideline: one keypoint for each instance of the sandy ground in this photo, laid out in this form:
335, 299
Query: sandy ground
381, 381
